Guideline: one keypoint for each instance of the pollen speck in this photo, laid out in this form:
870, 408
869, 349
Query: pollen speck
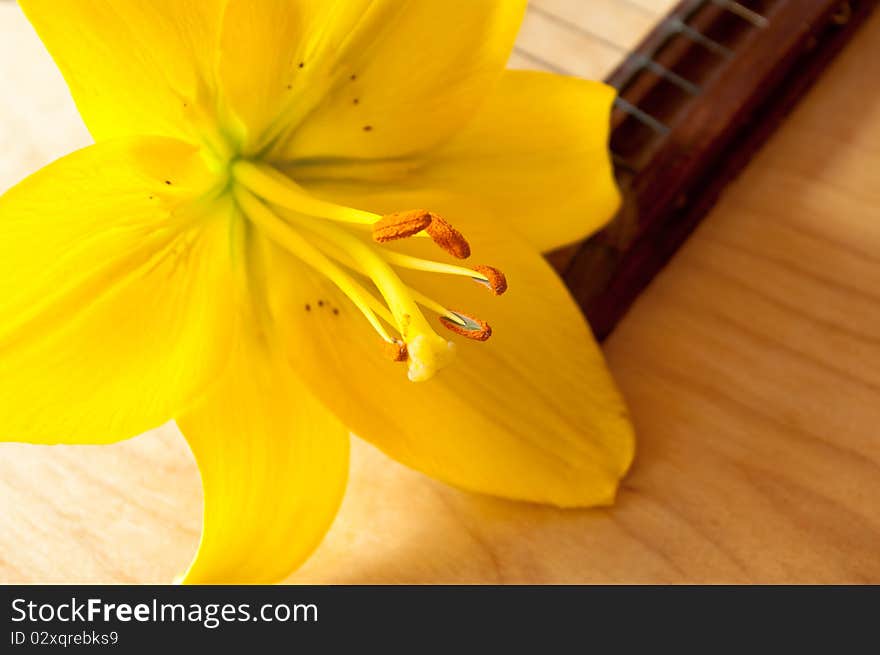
320, 303
356, 101
353, 78
308, 307
368, 128
168, 182
396, 351
335, 311
289, 87
302, 64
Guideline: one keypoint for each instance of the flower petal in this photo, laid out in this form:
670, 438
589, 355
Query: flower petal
262, 47
134, 67
532, 414
113, 302
380, 78
536, 155
274, 466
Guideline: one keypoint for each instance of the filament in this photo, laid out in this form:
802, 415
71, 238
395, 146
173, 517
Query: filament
280, 232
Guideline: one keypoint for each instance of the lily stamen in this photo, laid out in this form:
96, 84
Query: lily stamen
488, 276
281, 233
268, 183
448, 238
472, 328
430, 303
428, 352
401, 225
493, 278
467, 326
396, 351
420, 298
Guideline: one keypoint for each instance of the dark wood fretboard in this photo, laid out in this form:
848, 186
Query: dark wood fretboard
698, 97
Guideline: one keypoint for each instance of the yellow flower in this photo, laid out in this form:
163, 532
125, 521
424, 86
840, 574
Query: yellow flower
210, 260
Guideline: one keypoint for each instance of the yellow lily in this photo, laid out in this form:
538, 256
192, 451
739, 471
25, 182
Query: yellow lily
210, 259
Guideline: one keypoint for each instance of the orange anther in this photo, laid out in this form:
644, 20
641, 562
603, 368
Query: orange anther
401, 225
395, 351
448, 238
495, 279
472, 328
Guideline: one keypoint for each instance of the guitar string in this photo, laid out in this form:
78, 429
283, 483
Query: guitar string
634, 63
637, 60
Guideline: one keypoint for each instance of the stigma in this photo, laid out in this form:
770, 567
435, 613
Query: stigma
351, 248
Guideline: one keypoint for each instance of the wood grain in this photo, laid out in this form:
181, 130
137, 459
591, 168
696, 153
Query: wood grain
752, 366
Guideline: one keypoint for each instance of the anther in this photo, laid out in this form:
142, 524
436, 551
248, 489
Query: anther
472, 328
448, 238
495, 279
400, 225
396, 351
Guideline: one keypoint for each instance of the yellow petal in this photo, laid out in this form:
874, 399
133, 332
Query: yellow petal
536, 156
274, 465
134, 67
262, 47
532, 414
386, 77
113, 293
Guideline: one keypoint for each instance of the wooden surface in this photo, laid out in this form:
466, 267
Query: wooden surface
752, 366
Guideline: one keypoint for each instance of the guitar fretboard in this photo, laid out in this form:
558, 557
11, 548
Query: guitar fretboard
702, 84
657, 53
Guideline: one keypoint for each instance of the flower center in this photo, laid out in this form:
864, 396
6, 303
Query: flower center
324, 236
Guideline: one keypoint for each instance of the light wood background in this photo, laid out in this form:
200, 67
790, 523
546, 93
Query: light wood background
752, 366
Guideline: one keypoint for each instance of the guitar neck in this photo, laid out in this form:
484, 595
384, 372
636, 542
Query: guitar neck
698, 97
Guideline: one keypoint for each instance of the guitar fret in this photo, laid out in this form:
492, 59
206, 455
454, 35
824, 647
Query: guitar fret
677, 26
659, 69
743, 12
642, 116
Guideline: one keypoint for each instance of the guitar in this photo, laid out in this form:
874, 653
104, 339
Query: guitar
699, 95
